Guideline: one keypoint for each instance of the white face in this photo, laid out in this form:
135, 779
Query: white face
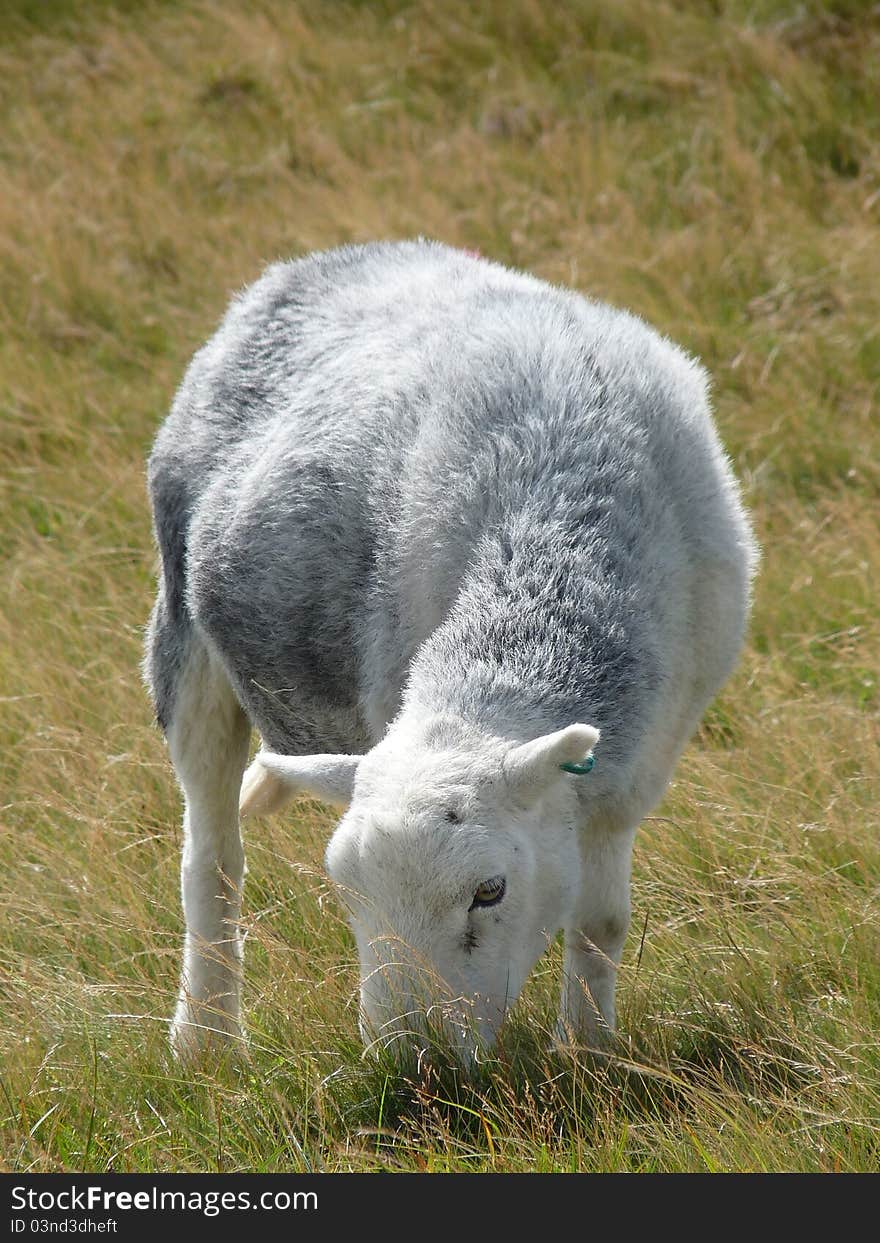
457, 864
455, 886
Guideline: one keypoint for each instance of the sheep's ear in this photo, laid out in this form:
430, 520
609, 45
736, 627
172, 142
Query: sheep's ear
533, 766
273, 780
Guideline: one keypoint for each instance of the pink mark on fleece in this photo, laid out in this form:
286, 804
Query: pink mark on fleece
474, 254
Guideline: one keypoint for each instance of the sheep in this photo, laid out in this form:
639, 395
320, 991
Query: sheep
465, 549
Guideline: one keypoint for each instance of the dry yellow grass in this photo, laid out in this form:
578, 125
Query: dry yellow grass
714, 167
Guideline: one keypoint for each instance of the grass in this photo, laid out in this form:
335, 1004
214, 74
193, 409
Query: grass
713, 166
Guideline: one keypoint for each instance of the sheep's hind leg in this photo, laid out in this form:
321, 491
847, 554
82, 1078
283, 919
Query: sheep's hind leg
208, 739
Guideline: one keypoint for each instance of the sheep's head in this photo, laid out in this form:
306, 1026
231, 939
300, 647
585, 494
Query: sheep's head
457, 865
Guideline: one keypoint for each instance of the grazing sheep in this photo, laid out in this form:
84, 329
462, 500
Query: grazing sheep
432, 526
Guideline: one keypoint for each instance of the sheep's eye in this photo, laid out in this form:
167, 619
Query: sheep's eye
489, 892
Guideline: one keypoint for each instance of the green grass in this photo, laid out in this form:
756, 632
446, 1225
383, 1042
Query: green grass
713, 166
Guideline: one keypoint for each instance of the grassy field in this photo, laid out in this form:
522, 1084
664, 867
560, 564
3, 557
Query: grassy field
714, 166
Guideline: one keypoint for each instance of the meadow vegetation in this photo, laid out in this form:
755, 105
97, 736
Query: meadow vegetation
715, 167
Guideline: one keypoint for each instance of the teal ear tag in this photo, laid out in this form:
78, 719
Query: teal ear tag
580, 770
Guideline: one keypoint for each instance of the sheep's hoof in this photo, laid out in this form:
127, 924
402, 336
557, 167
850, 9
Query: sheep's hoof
598, 1044
199, 1034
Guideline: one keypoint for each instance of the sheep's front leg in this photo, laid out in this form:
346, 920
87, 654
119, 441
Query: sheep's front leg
594, 941
208, 740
